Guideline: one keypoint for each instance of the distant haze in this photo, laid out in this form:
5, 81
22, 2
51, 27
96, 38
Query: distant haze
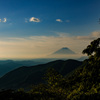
41, 46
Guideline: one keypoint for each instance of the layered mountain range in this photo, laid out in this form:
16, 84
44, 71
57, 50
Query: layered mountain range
25, 76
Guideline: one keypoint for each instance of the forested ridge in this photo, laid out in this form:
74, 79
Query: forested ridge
82, 84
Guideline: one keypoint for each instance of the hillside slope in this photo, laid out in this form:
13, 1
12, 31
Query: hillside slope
26, 76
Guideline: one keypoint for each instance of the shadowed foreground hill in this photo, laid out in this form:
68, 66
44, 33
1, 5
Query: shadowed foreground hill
26, 76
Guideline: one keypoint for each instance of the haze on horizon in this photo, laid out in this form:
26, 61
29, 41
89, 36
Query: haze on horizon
37, 28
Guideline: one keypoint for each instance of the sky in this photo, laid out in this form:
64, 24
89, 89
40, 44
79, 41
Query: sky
36, 28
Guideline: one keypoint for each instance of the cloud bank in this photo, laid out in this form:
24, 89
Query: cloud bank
92, 36
40, 46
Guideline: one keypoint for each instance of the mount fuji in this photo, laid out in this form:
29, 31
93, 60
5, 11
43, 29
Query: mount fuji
64, 50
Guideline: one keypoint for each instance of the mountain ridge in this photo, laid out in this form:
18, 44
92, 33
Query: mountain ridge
25, 76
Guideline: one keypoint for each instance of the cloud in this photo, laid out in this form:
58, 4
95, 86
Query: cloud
33, 19
5, 20
59, 20
92, 36
95, 34
62, 34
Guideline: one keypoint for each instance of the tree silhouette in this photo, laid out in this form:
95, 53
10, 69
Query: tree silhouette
93, 49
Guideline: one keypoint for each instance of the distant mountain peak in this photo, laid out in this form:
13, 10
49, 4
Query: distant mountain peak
64, 50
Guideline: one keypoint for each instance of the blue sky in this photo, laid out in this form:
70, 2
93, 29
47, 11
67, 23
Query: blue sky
23, 19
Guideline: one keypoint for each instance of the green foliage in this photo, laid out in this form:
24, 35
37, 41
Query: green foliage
93, 51
53, 78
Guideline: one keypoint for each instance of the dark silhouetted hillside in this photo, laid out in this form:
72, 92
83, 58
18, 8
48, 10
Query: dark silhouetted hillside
9, 65
26, 76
